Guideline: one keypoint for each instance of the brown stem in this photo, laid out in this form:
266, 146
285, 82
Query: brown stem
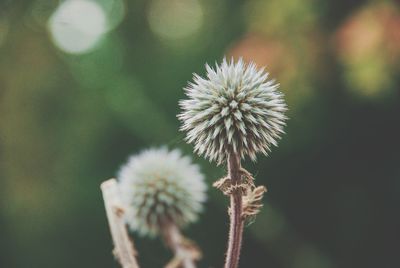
236, 221
124, 249
186, 253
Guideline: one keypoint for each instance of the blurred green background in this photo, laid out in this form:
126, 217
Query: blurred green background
84, 84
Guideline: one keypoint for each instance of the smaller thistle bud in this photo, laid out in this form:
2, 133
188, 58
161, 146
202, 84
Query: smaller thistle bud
161, 187
236, 109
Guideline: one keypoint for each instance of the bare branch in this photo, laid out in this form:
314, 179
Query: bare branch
124, 249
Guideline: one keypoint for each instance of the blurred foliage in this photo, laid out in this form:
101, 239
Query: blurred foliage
67, 121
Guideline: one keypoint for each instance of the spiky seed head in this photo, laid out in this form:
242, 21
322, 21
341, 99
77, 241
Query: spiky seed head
159, 186
234, 109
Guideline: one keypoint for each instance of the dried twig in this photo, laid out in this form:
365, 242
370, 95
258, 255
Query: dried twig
124, 249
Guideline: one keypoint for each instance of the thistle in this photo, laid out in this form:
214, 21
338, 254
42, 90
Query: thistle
234, 113
235, 110
162, 191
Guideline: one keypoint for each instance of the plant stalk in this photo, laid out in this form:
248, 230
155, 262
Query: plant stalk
124, 249
184, 250
236, 221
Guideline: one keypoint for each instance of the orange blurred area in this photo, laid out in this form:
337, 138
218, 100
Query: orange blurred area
371, 29
269, 53
368, 45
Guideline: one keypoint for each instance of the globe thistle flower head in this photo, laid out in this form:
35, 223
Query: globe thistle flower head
159, 186
235, 109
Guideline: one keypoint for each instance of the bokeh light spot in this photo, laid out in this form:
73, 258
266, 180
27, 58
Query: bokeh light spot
175, 19
367, 45
77, 25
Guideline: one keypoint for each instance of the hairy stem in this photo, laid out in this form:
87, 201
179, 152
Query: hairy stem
236, 221
124, 249
186, 253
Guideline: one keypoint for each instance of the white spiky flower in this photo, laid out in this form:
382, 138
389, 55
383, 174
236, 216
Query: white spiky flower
236, 109
159, 186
